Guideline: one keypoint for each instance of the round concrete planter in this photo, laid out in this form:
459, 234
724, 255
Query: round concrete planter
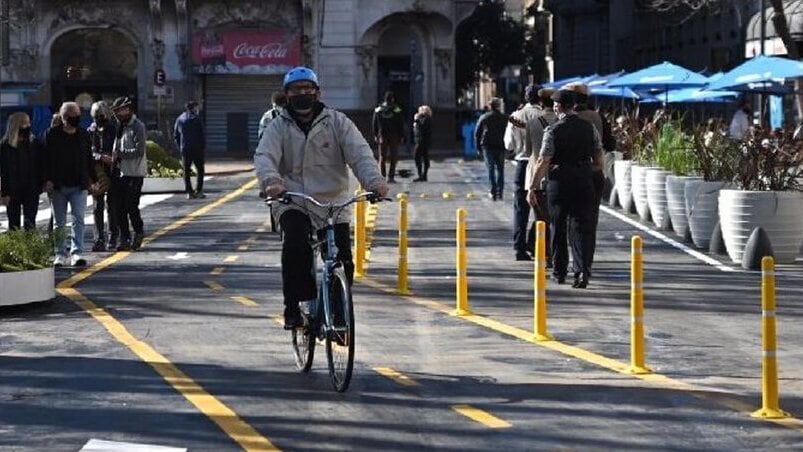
702, 200
624, 183
656, 195
639, 177
163, 185
27, 286
779, 213
676, 202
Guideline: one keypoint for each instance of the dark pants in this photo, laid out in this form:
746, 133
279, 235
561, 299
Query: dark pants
521, 211
422, 161
495, 162
27, 205
129, 190
298, 279
599, 189
105, 202
197, 159
388, 152
571, 202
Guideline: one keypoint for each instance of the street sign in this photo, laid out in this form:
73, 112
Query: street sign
159, 90
159, 77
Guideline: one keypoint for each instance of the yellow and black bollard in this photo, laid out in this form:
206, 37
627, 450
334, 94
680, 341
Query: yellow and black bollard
539, 291
401, 287
770, 408
462, 264
637, 365
359, 239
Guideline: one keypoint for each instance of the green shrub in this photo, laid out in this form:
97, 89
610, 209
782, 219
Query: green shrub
25, 250
160, 163
674, 150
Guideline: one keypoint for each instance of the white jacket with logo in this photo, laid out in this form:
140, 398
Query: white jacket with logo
317, 163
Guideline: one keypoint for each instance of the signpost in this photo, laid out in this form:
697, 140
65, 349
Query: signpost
159, 90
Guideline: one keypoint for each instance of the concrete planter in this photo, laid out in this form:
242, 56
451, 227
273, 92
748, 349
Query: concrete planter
779, 213
163, 185
27, 286
624, 183
702, 201
676, 202
639, 177
656, 195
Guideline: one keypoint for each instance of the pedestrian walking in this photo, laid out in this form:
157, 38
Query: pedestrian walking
129, 152
388, 128
102, 133
21, 175
570, 151
278, 102
69, 173
742, 120
490, 138
188, 132
422, 134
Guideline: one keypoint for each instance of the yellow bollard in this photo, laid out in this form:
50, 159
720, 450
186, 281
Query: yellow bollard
637, 365
539, 291
401, 287
462, 264
769, 375
359, 239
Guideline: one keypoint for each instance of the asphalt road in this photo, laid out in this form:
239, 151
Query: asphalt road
178, 344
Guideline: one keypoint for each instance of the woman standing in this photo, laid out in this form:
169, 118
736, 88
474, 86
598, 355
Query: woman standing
102, 133
422, 133
20, 172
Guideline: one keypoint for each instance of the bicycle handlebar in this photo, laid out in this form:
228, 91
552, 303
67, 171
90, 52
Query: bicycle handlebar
366, 196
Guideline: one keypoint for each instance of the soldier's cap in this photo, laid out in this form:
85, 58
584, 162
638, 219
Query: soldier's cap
577, 87
121, 102
546, 93
564, 97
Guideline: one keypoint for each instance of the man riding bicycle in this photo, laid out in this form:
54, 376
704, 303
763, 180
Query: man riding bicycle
307, 149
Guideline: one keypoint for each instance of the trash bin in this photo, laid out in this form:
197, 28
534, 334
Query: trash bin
469, 147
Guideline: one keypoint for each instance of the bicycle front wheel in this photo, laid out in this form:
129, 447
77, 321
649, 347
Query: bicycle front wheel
340, 339
304, 345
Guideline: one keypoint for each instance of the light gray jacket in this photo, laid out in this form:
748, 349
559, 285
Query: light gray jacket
315, 164
130, 147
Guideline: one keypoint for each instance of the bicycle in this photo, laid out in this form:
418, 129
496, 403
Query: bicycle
322, 321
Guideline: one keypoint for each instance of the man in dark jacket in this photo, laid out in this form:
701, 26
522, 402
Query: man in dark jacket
490, 138
69, 173
191, 141
388, 127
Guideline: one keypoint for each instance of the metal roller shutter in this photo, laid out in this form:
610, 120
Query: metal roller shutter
233, 105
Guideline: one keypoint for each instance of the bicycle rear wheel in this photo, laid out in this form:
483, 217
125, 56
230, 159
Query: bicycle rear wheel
304, 345
340, 341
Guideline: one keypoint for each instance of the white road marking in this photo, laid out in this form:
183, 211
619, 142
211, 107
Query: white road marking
179, 256
99, 445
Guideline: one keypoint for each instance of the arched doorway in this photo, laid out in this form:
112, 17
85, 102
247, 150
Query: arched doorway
400, 68
88, 65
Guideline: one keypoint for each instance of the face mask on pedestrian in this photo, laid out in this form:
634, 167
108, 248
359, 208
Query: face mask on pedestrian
101, 120
301, 103
25, 133
73, 121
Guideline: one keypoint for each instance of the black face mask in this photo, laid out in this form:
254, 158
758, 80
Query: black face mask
101, 120
74, 121
301, 102
25, 133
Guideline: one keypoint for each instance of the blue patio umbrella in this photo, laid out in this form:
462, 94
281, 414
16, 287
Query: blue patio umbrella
665, 75
760, 74
623, 92
558, 83
694, 95
602, 80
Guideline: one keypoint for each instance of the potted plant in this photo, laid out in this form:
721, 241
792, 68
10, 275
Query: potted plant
625, 130
165, 172
643, 153
668, 151
675, 153
766, 195
717, 155
26, 267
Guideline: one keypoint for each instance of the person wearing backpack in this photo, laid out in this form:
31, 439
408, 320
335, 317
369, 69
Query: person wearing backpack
388, 127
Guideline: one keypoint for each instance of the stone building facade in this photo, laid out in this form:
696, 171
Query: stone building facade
232, 55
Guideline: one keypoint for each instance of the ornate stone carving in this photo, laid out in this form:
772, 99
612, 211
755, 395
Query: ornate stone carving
87, 12
158, 49
367, 54
443, 60
183, 53
181, 6
418, 6
285, 14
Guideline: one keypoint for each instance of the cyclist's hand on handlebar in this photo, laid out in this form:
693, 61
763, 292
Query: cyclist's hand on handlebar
381, 189
275, 190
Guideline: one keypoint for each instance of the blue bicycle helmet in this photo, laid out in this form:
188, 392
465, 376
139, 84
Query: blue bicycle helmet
300, 73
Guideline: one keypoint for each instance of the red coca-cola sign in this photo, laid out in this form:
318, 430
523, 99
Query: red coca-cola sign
246, 51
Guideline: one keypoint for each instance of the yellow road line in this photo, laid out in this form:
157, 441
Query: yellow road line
237, 429
721, 399
217, 271
230, 259
245, 301
483, 417
214, 286
396, 376
242, 248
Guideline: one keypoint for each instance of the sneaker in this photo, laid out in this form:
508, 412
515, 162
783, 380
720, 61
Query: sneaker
59, 261
112, 245
523, 256
124, 246
77, 261
420, 179
137, 242
200, 194
292, 317
99, 246
191, 195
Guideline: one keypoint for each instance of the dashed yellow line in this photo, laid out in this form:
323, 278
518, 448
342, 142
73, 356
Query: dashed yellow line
230, 259
226, 419
214, 286
217, 271
483, 417
396, 376
245, 301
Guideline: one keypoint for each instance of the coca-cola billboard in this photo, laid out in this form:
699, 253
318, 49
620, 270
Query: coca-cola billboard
245, 51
